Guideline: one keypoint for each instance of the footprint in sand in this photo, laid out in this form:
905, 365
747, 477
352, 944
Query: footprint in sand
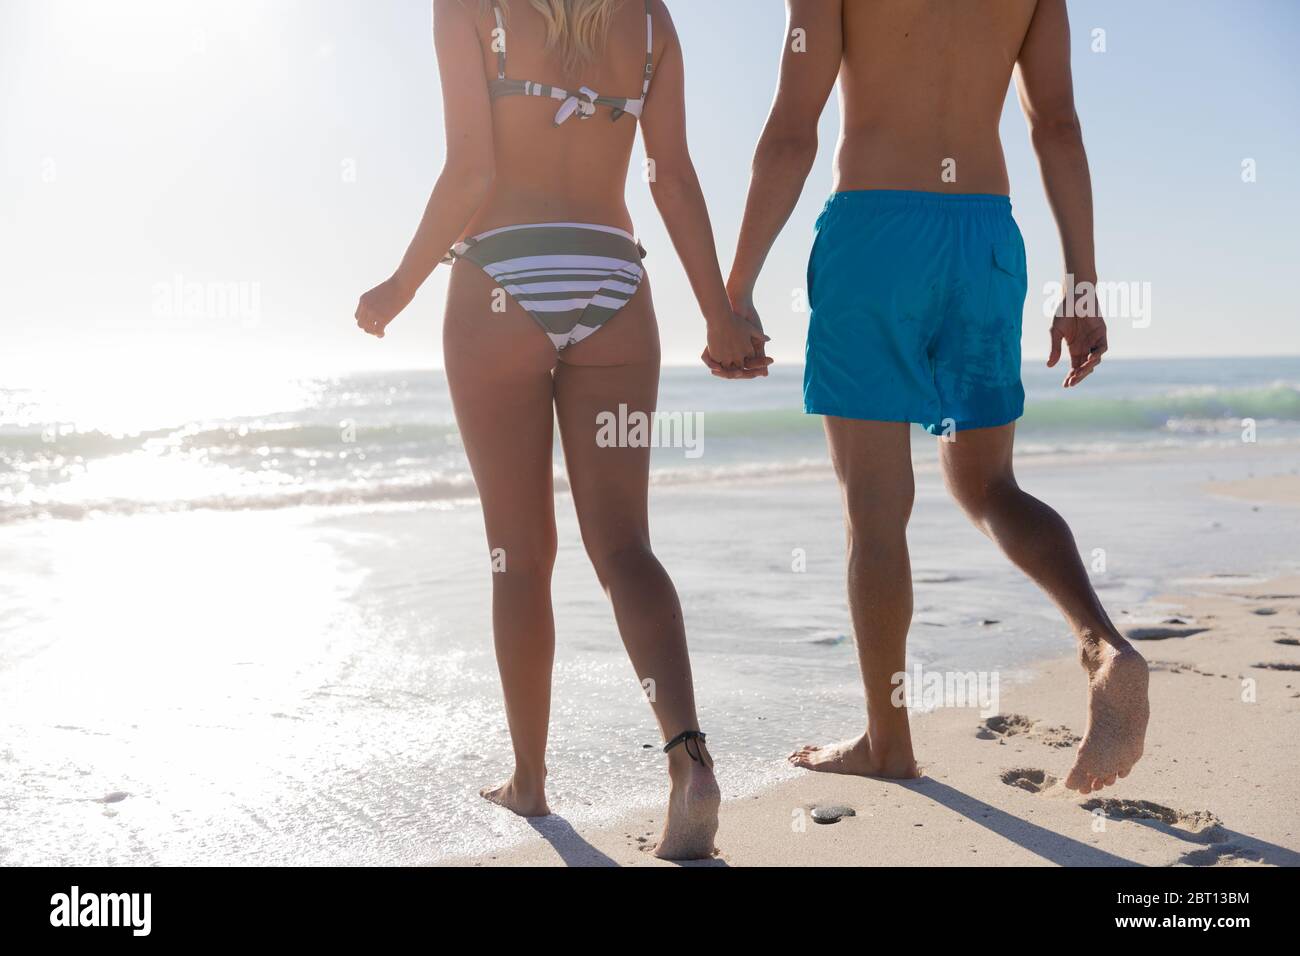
1029, 778
1225, 855
1001, 726
1199, 825
116, 796
1176, 667
1004, 725
1162, 633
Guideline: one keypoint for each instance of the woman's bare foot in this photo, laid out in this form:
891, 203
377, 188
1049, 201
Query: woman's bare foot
860, 756
693, 802
1118, 709
527, 800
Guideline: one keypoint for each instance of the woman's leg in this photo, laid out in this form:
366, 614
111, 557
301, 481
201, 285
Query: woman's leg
619, 366
499, 372
873, 463
977, 468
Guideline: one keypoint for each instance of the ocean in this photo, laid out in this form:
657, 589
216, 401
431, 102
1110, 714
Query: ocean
390, 438
248, 621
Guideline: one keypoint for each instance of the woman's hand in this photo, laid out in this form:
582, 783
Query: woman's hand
736, 346
381, 305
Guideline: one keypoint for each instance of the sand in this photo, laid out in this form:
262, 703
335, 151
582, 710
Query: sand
1218, 785
1271, 489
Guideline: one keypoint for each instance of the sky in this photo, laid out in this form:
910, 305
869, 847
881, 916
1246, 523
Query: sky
207, 186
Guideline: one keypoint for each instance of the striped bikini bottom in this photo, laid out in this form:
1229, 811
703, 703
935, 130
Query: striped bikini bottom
571, 277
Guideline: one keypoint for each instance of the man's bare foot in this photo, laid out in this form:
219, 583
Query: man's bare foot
692, 820
1118, 709
892, 759
527, 801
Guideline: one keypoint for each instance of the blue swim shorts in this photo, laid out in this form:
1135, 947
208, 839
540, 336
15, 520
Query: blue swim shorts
916, 304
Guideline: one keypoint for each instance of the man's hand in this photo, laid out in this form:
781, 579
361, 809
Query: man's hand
1085, 336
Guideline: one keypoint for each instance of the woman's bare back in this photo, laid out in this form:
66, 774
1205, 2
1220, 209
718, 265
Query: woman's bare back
923, 83
576, 172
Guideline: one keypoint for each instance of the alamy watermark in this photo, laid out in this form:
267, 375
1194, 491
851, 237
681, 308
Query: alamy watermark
930, 690
75, 908
1112, 300
637, 429
187, 300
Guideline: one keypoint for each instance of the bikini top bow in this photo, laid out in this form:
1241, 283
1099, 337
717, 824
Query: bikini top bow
583, 103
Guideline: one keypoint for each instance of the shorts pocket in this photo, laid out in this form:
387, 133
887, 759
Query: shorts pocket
823, 225
1009, 257
1003, 320
1008, 281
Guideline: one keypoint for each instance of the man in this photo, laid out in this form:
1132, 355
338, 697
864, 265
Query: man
917, 283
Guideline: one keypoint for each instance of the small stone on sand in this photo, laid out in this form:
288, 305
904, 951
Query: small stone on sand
832, 814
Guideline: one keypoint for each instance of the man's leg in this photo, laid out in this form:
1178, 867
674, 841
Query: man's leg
977, 470
873, 462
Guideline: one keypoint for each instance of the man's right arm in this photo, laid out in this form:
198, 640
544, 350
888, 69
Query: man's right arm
810, 63
1046, 90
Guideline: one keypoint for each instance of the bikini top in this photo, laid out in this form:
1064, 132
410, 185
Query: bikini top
585, 100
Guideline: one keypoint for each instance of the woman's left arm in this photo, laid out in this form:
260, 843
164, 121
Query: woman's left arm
466, 173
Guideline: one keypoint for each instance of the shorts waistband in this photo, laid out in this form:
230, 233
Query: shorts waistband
897, 198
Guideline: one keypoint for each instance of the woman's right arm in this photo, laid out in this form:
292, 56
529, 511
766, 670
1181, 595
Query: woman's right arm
734, 345
467, 170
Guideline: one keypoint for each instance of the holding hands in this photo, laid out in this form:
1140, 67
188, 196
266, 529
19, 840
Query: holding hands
736, 347
737, 343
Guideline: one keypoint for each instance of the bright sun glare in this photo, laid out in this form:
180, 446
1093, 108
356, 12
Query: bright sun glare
148, 35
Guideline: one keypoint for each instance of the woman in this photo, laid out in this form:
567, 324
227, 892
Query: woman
549, 317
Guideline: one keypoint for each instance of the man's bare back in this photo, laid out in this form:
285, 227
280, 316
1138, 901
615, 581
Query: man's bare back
922, 86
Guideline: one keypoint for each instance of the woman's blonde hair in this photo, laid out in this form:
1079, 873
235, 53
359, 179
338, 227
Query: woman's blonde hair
577, 28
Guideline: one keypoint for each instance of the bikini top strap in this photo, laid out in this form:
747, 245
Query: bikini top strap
499, 40
649, 50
